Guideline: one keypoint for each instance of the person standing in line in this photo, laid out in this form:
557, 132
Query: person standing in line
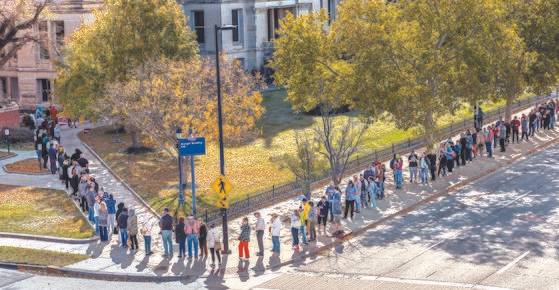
180, 237
424, 167
259, 228
488, 136
469, 145
295, 225
450, 155
122, 222
322, 206
442, 162
412, 163
312, 222
52, 158
192, 229
146, 232
275, 231
90, 199
133, 229
398, 166
110, 202
120, 207
244, 239
303, 221
202, 238
96, 214
214, 243
166, 225
329, 192
45, 150
480, 143
458, 150
349, 199
372, 191
56, 132
364, 198
502, 136
432, 160
381, 179
525, 127
103, 222
515, 125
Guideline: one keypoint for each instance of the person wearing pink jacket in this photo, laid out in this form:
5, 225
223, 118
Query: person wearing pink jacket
192, 229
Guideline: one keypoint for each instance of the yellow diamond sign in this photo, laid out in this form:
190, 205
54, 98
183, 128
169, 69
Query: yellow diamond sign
222, 186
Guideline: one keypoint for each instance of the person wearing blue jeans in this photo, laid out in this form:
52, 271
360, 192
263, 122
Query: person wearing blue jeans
122, 223
166, 224
372, 190
192, 229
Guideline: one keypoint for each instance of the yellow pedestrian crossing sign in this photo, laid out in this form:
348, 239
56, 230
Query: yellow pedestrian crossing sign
222, 186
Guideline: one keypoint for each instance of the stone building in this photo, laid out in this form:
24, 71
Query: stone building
257, 21
28, 77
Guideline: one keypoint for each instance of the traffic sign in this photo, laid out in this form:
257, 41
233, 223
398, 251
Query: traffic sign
192, 146
222, 186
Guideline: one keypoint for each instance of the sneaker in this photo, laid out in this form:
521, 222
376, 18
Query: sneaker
212, 265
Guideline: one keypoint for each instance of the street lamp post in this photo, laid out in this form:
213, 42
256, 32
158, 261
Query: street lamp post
220, 128
178, 135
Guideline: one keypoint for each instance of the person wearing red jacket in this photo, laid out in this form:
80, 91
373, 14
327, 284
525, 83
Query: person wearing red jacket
515, 124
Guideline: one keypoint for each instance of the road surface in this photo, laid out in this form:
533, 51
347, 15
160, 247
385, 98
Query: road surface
500, 232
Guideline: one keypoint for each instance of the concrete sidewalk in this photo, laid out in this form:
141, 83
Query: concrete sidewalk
109, 258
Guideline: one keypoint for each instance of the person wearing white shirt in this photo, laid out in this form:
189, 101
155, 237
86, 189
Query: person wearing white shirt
275, 230
214, 243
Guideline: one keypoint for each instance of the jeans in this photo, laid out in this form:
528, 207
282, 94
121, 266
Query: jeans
357, 203
424, 176
134, 242
192, 241
276, 244
469, 154
147, 244
182, 248
103, 234
380, 185
515, 134
413, 174
524, 134
111, 223
312, 230
123, 237
373, 198
90, 215
166, 236
502, 144
399, 179
489, 149
349, 204
260, 240
295, 236
303, 233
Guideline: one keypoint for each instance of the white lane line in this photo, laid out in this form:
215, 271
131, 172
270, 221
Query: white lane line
509, 265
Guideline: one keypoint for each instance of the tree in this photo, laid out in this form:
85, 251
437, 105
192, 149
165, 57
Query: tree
305, 164
17, 19
123, 37
165, 94
338, 144
420, 60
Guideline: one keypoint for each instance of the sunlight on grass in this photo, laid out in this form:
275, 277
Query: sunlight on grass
38, 257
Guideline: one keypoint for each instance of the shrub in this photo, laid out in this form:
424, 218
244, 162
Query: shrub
18, 135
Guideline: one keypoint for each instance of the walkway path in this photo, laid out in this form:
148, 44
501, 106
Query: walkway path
111, 258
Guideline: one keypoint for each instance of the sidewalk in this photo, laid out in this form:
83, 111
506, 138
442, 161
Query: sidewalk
111, 258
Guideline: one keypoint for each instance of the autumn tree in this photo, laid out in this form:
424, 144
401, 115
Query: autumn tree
165, 94
17, 19
123, 37
422, 58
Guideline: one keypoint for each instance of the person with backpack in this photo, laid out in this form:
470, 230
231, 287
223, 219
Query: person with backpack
413, 166
450, 155
458, 152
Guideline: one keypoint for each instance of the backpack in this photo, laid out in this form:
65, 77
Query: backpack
392, 163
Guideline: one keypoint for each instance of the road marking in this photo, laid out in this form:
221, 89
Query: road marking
509, 265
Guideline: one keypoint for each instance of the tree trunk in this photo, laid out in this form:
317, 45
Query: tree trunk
429, 128
508, 107
135, 135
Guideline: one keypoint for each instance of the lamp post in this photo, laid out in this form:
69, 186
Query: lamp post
178, 135
220, 128
192, 176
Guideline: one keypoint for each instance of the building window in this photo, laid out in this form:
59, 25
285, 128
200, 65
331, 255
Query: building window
197, 19
59, 33
275, 15
43, 89
237, 21
43, 41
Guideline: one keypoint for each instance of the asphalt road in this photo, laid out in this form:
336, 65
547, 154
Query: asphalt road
500, 232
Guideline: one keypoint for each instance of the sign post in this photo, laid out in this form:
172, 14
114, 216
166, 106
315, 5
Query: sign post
192, 146
222, 186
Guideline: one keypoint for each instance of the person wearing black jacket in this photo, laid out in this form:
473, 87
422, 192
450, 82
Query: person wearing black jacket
122, 223
432, 158
463, 143
180, 237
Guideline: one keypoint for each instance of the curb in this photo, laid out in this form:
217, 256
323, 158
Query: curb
140, 199
10, 155
444, 193
24, 173
70, 241
90, 274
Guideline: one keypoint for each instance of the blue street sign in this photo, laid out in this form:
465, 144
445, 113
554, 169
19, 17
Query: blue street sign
192, 146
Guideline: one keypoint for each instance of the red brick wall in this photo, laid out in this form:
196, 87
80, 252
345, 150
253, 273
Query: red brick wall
9, 119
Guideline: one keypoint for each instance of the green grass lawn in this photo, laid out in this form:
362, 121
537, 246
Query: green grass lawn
38, 211
250, 167
38, 257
